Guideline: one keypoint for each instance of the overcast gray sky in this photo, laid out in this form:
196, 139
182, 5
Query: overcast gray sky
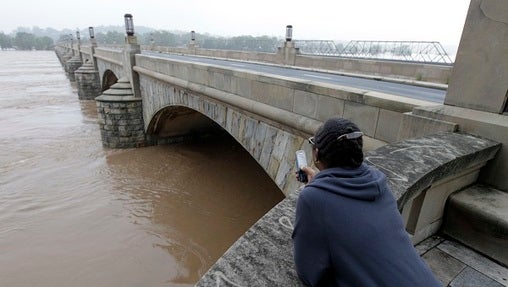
429, 20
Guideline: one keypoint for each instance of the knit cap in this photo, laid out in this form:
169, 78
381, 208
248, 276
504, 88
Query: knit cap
331, 130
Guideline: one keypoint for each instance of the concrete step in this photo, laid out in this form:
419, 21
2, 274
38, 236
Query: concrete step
478, 217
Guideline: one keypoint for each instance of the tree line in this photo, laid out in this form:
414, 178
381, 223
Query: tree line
25, 38
205, 41
25, 41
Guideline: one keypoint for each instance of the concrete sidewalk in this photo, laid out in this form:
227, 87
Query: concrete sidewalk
456, 265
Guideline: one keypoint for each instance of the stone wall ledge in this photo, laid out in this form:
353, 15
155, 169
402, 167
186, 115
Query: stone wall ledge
415, 164
105, 98
263, 256
489, 125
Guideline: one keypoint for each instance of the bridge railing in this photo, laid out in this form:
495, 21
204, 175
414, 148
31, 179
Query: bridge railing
322, 55
408, 51
404, 51
110, 55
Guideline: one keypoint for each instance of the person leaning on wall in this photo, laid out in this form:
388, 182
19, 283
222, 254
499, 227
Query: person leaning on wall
348, 230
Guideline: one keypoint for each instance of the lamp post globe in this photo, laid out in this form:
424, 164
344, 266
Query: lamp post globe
91, 32
289, 33
129, 25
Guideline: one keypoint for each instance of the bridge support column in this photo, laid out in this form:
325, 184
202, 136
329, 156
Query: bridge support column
72, 65
121, 117
87, 77
88, 80
67, 55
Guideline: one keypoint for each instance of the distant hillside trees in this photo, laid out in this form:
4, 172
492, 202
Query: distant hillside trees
166, 38
5, 41
26, 38
110, 38
26, 41
250, 43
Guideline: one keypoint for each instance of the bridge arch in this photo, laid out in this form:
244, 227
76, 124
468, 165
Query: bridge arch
108, 79
273, 146
174, 122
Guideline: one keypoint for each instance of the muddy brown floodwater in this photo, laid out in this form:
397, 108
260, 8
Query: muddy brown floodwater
73, 213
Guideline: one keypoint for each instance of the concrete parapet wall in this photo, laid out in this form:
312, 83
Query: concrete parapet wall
108, 59
86, 53
414, 71
110, 55
225, 54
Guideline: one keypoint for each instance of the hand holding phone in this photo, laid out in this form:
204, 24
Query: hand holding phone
301, 161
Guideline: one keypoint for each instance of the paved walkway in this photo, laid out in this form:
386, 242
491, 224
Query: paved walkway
456, 265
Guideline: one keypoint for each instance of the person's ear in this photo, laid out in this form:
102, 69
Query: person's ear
315, 154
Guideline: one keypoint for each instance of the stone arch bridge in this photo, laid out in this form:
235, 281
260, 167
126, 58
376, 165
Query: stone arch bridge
146, 98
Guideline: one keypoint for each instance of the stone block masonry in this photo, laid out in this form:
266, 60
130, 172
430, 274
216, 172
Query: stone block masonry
89, 85
121, 123
72, 65
121, 117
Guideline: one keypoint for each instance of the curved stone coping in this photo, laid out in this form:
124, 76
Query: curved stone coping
263, 256
414, 164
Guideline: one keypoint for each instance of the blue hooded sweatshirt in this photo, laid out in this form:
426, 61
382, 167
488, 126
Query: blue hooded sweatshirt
349, 232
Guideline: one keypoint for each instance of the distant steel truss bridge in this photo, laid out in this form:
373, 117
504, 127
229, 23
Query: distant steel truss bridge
408, 51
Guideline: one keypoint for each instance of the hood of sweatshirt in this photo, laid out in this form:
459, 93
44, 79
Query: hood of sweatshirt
362, 183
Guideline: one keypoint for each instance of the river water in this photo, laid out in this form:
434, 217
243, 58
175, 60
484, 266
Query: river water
73, 213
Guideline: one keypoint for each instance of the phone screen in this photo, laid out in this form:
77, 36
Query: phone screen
301, 161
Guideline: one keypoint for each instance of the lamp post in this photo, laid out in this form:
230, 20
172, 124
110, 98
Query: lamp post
78, 37
93, 44
91, 32
287, 53
192, 44
289, 33
130, 50
129, 25
72, 43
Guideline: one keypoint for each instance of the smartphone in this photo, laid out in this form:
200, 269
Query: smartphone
301, 161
